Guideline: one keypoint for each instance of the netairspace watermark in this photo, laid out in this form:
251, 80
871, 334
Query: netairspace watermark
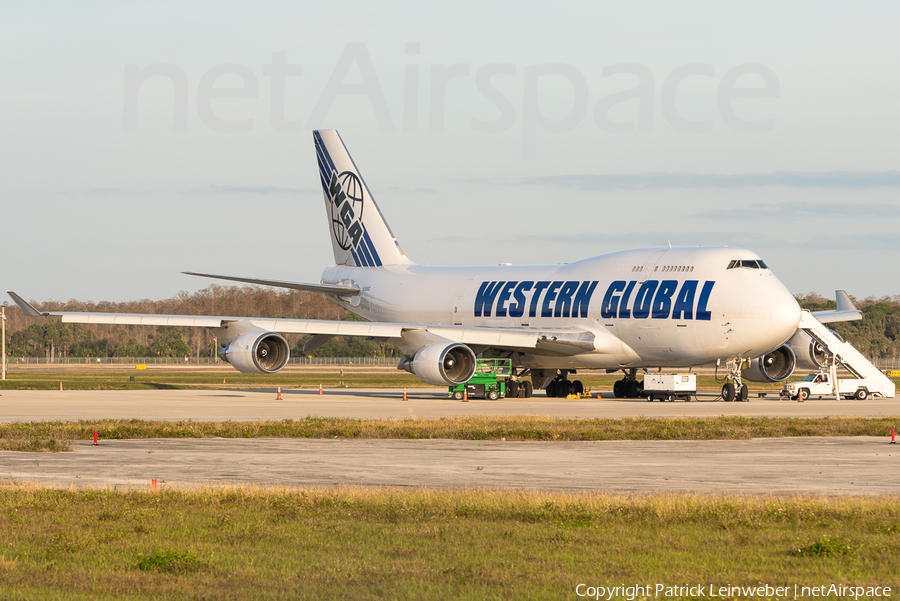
510, 95
712, 591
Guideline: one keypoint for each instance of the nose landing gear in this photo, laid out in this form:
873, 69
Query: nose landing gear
734, 389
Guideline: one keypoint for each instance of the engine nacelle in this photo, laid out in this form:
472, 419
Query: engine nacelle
810, 354
257, 353
776, 366
442, 364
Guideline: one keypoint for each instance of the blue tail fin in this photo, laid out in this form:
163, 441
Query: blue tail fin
359, 234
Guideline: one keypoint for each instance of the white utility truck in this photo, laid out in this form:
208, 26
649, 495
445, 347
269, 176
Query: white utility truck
668, 387
820, 384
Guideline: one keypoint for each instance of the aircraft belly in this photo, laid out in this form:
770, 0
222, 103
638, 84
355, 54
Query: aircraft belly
668, 342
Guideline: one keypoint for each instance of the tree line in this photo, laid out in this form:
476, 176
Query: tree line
876, 335
50, 338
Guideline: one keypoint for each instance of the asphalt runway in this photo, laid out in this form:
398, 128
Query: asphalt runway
831, 466
851, 465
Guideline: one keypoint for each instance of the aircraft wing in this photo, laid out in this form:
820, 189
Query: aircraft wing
846, 310
326, 288
561, 341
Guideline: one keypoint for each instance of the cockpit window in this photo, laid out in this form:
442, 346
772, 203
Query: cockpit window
747, 264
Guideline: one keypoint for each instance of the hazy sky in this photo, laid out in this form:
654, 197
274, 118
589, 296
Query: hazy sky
145, 139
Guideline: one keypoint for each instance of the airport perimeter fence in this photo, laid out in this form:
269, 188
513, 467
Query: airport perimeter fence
191, 361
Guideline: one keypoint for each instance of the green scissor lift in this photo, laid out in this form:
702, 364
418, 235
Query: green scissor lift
490, 380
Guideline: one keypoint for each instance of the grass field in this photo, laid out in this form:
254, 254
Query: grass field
58, 435
163, 379
252, 543
382, 543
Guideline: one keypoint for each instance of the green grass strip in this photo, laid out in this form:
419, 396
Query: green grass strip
58, 435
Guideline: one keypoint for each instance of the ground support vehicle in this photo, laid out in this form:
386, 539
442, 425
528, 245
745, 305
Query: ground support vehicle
820, 384
493, 379
668, 387
869, 380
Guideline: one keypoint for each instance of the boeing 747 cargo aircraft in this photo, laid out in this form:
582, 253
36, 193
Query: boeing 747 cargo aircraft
626, 311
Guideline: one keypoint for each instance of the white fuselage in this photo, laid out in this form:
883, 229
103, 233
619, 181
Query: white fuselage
647, 307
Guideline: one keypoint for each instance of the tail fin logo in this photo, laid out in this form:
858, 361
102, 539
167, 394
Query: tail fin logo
347, 195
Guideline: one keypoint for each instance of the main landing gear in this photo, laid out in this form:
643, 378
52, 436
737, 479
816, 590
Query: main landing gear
521, 389
561, 387
734, 389
628, 387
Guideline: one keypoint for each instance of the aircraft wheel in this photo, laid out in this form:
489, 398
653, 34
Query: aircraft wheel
493, 395
526, 389
631, 389
579, 387
619, 389
551, 389
744, 393
512, 389
728, 392
458, 395
862, 394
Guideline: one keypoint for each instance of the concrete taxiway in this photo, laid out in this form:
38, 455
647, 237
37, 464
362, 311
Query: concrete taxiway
851, 465
224, 404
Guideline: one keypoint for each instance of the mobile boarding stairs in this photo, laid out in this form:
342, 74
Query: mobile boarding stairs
843, 353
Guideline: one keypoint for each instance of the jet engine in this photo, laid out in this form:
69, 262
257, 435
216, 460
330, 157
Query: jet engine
810, 354
771, 367
257, 353
442, 364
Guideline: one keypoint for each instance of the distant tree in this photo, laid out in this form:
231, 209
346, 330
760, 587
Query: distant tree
349, 346
132, 350
167, 342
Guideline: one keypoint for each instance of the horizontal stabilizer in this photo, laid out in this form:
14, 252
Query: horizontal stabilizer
326, 288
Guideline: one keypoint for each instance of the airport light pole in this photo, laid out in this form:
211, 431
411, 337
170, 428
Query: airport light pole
3, 336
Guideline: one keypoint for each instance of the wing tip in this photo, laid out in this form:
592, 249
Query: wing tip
25, 306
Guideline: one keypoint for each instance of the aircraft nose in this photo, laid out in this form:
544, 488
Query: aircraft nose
786, 314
